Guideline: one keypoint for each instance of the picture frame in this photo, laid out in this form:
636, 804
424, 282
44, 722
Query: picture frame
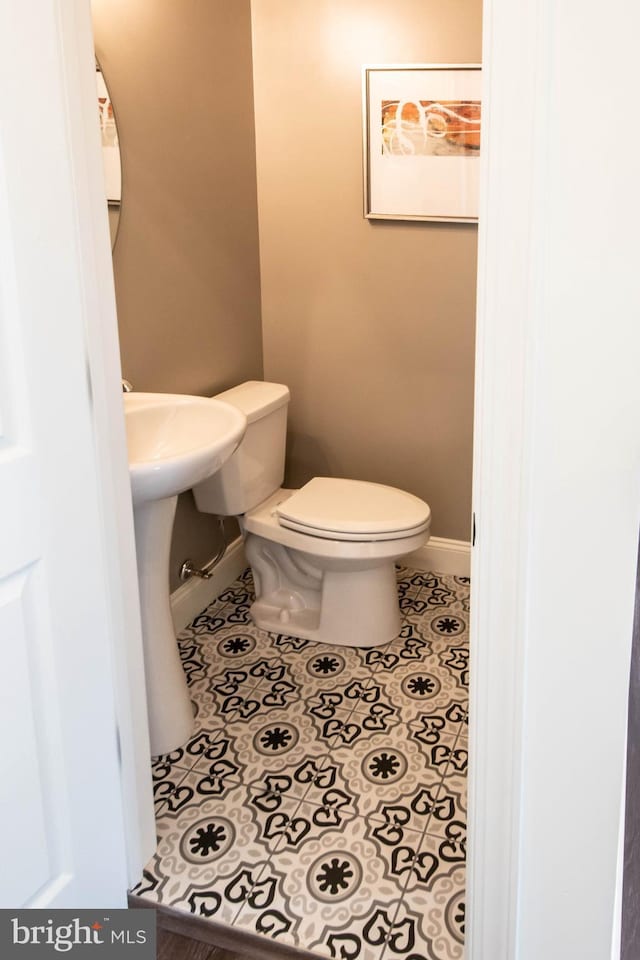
421, 141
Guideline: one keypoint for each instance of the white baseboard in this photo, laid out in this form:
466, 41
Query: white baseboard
442, 556
192, 597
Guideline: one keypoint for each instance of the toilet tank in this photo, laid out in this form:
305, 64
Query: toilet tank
256, 469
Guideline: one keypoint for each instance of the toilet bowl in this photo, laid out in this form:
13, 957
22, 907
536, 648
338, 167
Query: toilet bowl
323, 557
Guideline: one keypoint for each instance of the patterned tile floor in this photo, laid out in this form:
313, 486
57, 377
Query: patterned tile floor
321, 801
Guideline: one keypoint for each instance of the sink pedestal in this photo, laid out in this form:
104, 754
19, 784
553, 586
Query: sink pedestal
174, 442
171, 718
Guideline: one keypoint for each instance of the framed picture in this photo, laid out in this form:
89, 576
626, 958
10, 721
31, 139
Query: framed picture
422, 141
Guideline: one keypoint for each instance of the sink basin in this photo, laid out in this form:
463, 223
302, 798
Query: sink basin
176, 441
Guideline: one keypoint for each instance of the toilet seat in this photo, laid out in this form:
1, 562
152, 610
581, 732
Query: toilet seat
265, 522
353, 510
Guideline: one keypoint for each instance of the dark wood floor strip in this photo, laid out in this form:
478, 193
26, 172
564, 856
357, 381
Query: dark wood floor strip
232, 942
172, 946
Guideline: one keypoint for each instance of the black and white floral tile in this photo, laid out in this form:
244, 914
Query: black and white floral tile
321, 801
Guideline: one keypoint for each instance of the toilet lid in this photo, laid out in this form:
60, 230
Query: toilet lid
353, 510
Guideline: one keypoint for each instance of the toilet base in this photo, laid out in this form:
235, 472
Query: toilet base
345, 603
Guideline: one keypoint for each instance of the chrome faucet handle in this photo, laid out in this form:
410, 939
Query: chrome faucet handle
126, 387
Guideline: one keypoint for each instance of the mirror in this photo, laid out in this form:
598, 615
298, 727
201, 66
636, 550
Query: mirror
110, 153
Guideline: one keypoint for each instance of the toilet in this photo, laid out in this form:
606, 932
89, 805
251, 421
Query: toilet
323, 556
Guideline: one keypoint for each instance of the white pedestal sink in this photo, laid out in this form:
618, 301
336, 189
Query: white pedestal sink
174, 442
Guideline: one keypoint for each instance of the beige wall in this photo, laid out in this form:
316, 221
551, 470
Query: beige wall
370, 323
186, 258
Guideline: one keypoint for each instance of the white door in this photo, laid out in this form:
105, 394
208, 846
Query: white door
557, 479
61, 806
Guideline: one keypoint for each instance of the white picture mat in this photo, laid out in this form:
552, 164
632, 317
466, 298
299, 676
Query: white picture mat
421, 187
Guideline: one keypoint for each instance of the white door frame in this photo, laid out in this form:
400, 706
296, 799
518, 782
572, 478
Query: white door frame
556, 481
77, 65
501, 469
77, 780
